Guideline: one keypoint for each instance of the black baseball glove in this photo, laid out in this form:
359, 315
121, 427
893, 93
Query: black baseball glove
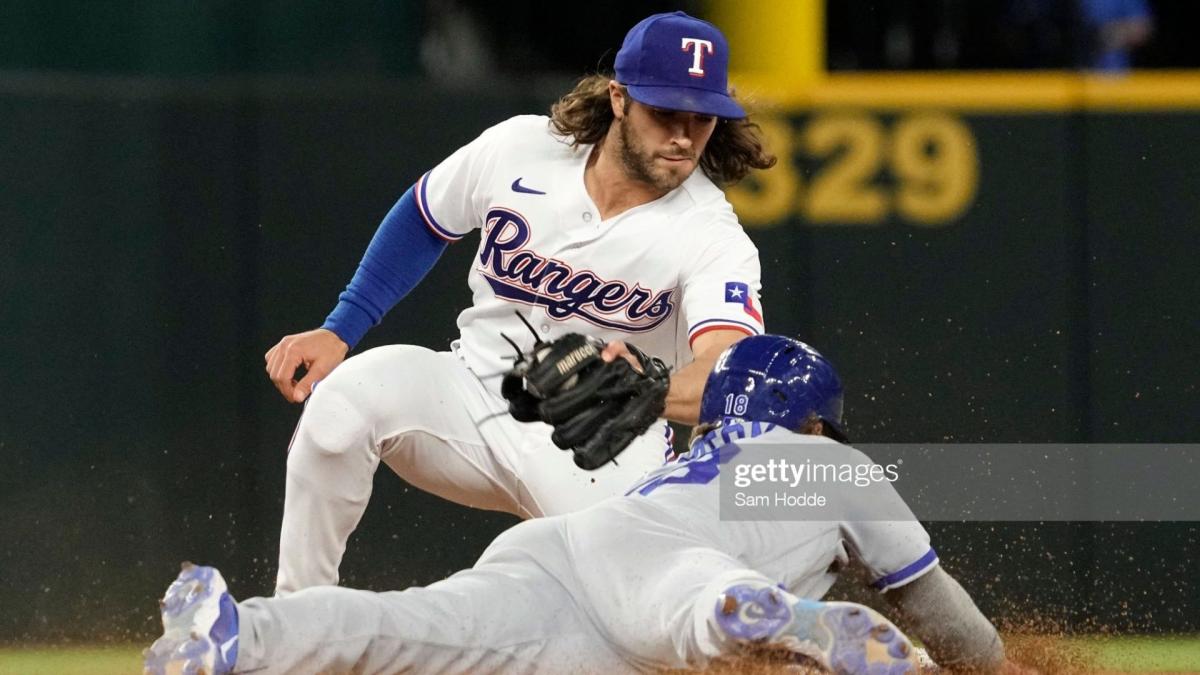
596, 408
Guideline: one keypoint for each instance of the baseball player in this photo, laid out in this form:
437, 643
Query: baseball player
594, 221
650, 580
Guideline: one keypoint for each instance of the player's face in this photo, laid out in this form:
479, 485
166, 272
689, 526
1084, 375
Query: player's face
662, 147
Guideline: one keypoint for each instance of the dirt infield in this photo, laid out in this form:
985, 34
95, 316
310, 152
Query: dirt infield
1051, 655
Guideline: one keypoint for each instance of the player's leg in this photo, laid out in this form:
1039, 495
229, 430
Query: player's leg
494, 618
502, 617
642, 573
509, 613
670, 598
703, 606
415, 409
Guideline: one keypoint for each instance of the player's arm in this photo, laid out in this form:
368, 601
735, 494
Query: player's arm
402, 251
935, 609
922, 598
687, 383
442, 207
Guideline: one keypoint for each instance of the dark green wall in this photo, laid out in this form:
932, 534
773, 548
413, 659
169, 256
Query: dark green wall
156, 240
177, 37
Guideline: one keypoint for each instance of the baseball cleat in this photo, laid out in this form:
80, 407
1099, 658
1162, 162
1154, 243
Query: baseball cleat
843, 637
200, 626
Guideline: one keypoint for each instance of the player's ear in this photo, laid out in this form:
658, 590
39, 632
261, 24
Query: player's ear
616, 98
812, 426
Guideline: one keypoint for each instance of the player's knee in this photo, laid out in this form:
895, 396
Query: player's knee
366, 392
384, 380
330, 425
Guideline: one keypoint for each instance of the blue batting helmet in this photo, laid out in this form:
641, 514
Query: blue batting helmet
772, 378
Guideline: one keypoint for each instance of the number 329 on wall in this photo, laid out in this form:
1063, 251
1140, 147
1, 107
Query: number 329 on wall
923, 168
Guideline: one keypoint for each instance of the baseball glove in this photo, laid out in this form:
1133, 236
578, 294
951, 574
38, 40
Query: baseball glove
596, 407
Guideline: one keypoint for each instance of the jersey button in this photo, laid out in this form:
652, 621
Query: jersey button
545, 328
587, 216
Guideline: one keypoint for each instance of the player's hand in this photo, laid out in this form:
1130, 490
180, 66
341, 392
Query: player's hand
618, 350
318, 351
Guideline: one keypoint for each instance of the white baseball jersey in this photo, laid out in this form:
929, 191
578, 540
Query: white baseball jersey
657, 275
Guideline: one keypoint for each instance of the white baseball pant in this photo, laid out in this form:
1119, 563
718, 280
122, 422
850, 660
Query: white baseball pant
531, 604
439, 427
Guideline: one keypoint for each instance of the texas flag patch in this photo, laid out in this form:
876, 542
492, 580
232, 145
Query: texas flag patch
736, 291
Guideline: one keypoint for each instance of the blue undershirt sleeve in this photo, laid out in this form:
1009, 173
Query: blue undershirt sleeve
402, 251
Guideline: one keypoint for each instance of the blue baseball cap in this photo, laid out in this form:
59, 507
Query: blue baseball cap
678, 62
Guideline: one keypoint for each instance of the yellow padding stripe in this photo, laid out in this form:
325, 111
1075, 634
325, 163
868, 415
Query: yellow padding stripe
995, 92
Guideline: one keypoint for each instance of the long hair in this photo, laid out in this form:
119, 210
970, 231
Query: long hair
735, 148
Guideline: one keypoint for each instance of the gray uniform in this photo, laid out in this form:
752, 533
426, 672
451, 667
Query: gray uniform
629, 584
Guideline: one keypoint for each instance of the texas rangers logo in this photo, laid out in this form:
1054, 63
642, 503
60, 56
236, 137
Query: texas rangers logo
521, 275
700, 46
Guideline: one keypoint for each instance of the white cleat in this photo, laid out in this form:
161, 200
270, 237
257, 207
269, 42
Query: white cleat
843, 637
200, 631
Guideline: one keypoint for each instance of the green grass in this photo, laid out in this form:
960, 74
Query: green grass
122, 660
1125, 654
1145, 654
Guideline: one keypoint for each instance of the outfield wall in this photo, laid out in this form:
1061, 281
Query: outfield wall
982, 266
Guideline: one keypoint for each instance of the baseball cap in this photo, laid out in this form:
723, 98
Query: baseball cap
678, 62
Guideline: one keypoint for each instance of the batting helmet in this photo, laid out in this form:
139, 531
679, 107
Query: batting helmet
772, 378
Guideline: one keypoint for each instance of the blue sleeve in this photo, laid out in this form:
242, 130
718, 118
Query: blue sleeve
402, 251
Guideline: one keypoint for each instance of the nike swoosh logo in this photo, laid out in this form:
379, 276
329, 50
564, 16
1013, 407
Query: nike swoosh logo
228, 646
517, 187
